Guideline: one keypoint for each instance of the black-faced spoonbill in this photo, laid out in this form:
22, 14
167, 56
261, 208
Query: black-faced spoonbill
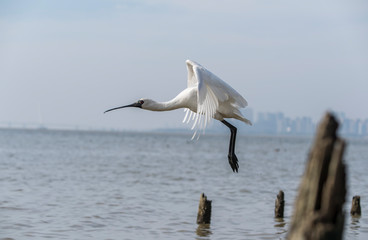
206, 97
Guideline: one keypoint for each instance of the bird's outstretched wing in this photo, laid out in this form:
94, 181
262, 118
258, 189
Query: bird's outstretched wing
211, 92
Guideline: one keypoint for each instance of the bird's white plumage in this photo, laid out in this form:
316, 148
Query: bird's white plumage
212, 92
206, 97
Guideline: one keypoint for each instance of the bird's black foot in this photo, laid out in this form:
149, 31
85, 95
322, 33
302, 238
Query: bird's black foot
233, 161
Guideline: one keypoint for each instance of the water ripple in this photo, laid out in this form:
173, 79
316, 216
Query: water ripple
95, 185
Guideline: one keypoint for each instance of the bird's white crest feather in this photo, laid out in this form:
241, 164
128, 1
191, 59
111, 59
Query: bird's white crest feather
211, 91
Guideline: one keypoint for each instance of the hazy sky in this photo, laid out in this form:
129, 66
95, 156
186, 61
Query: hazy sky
65, 62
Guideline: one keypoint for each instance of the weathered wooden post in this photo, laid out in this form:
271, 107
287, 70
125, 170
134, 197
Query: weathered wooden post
204, 210
279, 205
318, 212
355, 210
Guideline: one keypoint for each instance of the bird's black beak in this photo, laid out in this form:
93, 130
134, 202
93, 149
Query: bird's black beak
136, 104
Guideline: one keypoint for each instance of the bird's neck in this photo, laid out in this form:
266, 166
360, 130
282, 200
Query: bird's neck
185, 99
165, 106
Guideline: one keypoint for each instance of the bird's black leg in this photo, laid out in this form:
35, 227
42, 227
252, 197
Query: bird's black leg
233, 160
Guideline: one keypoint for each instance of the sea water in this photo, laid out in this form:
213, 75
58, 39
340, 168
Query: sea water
123, 185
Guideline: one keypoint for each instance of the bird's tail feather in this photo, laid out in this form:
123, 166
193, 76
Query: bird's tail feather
246, 121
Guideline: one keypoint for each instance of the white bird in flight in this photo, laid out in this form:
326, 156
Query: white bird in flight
206, 97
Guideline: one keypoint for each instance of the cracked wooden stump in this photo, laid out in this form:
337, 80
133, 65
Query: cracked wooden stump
204, 210
355, 210
318, 209
279, 205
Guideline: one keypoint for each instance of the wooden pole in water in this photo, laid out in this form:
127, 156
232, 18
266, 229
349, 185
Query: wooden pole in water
204, 210
318, 209
279, 205
355, 207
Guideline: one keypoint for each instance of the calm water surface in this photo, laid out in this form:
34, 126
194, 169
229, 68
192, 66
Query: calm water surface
96, 185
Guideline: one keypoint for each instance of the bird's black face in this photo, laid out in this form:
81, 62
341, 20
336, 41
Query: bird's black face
136, 104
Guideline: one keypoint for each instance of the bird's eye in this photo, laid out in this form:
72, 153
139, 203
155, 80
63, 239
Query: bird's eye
141, 101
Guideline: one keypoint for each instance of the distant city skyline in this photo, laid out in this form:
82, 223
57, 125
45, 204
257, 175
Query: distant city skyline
279, 124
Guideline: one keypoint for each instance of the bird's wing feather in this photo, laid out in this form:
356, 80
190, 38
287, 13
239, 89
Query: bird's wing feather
221, 89
207, 99
211, 92
192, 80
